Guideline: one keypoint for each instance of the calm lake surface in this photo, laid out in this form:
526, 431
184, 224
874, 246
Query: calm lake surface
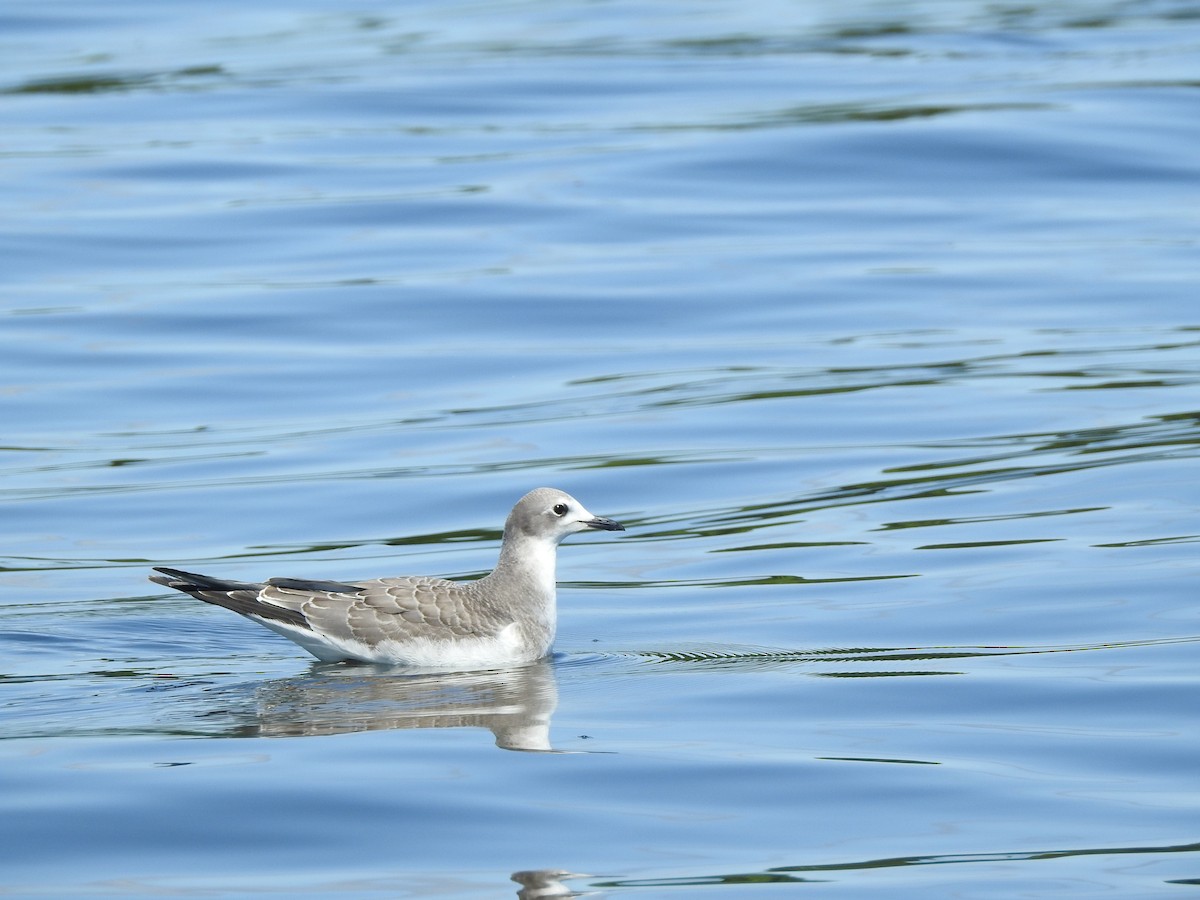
877, 324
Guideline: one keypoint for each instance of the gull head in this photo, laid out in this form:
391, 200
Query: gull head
547, 514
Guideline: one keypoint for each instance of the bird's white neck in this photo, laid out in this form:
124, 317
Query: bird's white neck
528, 563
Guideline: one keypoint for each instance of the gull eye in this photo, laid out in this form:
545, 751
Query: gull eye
560, 509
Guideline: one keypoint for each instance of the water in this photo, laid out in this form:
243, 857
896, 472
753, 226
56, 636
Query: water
875, 324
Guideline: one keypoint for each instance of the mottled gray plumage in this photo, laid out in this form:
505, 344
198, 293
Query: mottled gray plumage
505, 618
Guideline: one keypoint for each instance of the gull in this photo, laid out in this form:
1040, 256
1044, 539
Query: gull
506, 618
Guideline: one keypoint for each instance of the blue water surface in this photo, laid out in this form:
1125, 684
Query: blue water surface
875, 323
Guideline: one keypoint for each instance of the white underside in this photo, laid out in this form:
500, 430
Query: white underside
502, 649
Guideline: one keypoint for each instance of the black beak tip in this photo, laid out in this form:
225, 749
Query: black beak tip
603, 524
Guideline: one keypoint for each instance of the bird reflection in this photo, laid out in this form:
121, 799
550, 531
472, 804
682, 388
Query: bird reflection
514, 704
542, 884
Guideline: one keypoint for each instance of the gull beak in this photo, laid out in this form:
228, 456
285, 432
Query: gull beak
602, 524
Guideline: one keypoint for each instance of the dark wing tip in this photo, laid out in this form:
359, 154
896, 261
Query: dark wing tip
171, 577
190, 581
319, 587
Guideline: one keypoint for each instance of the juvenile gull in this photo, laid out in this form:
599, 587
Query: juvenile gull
505, 618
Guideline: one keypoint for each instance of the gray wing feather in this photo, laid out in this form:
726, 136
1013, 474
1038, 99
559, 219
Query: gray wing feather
305, 584
371, 612
389, 609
